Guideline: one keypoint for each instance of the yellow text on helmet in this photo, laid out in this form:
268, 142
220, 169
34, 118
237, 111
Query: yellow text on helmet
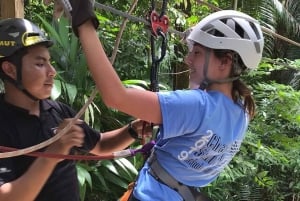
7, 43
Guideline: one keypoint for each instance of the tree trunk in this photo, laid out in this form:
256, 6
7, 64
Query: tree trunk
180, 79
12, 8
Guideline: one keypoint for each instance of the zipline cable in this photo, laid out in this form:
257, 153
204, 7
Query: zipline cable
182, 34
264, 29
131, 17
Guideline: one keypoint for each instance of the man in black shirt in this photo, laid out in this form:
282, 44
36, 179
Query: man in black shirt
27, 118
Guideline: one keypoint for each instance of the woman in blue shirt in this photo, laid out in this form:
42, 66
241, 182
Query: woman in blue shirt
201, 129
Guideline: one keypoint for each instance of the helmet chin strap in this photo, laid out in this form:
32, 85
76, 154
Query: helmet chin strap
27, 93
206, 82
19, 86
17, 61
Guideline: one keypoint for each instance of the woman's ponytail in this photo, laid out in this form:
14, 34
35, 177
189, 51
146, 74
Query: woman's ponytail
241, 91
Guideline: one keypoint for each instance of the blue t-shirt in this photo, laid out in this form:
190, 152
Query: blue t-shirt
200, 134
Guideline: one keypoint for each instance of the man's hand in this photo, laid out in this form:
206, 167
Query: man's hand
74, 137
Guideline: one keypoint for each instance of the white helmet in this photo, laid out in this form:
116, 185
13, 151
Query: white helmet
231, 30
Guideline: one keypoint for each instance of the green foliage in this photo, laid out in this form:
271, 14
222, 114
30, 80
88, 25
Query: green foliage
33, 7
144, 85
110, 179
282, 18
84, 178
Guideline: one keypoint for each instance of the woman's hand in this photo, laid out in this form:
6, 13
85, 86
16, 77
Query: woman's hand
58, 9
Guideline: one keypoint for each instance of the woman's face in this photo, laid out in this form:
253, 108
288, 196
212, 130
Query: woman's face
195, 60
37, 72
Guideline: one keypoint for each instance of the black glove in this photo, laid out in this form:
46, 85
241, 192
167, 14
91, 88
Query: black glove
80, 11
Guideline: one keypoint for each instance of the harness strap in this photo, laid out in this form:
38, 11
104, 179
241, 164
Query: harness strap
188, 193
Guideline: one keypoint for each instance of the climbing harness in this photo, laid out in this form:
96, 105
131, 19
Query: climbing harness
188, 193
159, 25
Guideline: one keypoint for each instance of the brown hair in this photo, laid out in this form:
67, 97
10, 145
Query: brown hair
240, 91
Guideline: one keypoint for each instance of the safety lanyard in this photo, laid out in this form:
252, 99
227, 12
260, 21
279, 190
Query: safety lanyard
145, 150
159, 26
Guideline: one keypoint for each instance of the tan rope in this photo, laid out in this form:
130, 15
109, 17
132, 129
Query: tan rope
55, 137
117, 43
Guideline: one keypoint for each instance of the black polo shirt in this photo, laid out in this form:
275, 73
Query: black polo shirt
19, 129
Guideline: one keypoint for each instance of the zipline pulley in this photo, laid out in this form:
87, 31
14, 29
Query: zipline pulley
159, 28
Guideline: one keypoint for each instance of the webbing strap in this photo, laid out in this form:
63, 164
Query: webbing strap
188, 193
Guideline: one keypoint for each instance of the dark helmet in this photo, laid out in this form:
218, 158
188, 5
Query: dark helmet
17, 33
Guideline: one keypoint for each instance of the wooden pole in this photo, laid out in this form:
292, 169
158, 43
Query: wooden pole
12, 8
235, 5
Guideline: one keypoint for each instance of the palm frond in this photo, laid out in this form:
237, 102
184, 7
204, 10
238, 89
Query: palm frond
282, 19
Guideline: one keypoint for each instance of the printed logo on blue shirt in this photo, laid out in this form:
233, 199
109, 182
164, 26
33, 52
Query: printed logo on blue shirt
208, 153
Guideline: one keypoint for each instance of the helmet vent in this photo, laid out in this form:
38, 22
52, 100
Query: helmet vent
234, 25
258, 35
32, 34
257, 47
208, 28
12, 31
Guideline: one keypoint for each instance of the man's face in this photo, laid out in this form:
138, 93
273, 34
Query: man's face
37, 72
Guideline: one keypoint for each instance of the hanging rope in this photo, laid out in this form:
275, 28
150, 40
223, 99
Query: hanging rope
159, 24
119, 36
